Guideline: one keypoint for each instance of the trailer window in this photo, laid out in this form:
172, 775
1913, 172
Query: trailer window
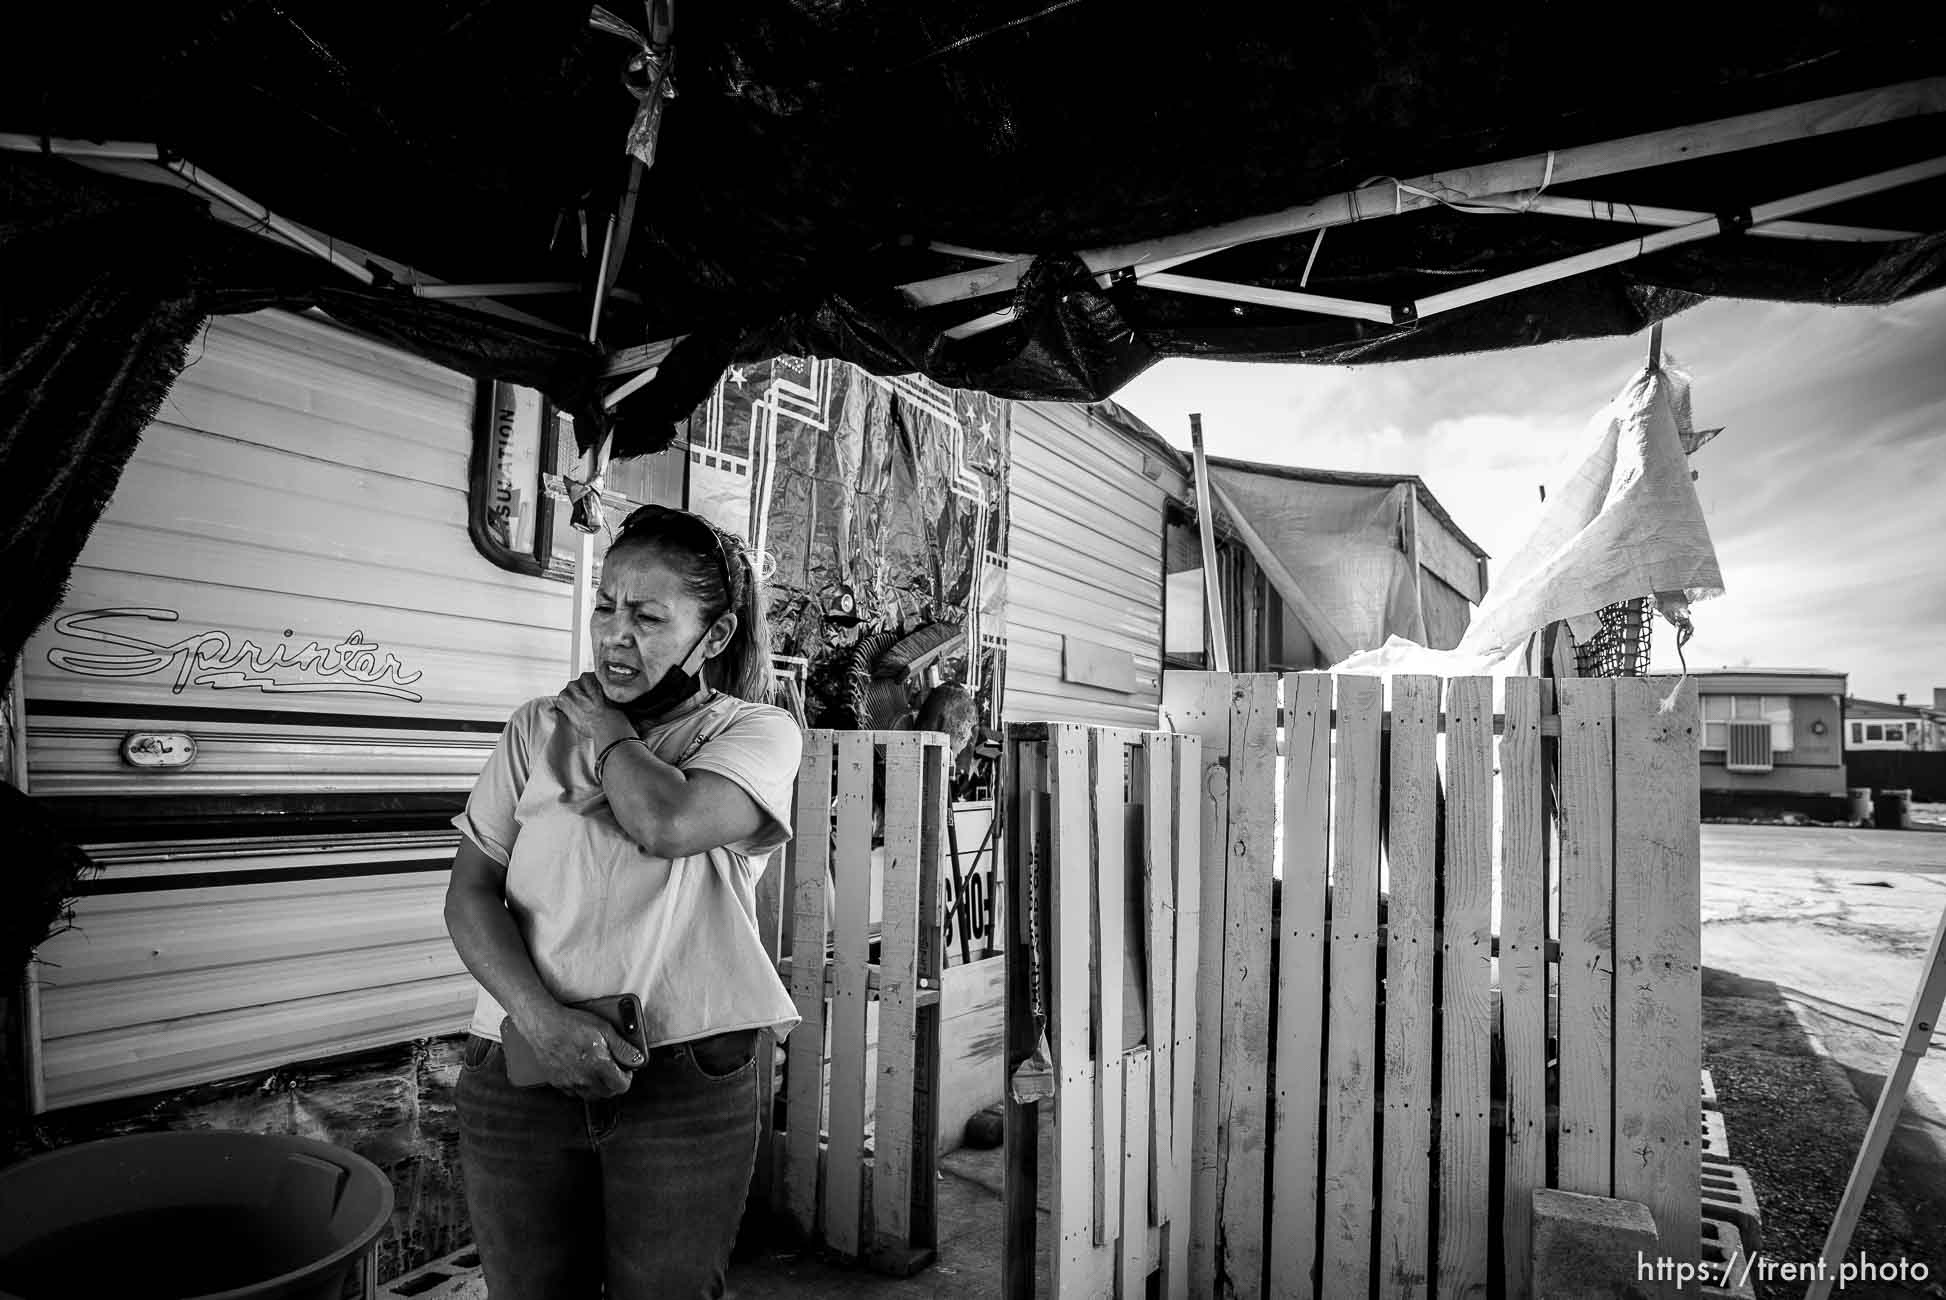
517, 508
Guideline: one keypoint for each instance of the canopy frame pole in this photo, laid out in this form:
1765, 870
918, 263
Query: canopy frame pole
1643, 245
228, 195
1219, 636
1263, 297
1588, 162
511, 290
1920, 1020
642, 356
641, 378
1638, 214
993, 320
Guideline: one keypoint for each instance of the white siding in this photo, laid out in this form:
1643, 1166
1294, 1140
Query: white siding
299, 485
1084, 560
162, 988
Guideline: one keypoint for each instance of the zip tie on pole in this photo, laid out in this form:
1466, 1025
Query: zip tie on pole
1310, 261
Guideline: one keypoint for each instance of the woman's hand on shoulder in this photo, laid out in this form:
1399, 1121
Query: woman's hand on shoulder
581, 1053
584, 707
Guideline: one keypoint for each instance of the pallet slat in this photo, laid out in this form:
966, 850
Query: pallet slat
1243, 1087
1186, 754
1350, 1064
1300, 981
1159, 871
1107, 763
1587, 935
1658, 937
1523, 977
1465, 1017
804, 1049
1074, 1269
1132, 1268
1213, 853
893, 1138
844, 1163
1405, 1177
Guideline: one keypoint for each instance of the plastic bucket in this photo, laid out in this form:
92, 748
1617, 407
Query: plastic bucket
1893, 810
1860, 809
202, 1215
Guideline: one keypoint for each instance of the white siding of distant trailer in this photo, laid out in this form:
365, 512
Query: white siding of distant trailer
300, 477
166, 988
1084, 561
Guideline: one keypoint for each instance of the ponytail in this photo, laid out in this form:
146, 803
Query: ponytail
742, 668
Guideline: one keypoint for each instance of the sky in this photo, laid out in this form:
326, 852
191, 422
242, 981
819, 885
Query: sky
1825, 494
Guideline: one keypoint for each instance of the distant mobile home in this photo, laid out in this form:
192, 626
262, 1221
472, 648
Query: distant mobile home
1772, 738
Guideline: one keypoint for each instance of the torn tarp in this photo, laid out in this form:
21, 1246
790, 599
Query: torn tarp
1623, 524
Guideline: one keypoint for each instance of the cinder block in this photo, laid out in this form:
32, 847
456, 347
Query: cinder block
456, 1277
1716, 1138
1709, 1092
1722, 1258
1591, 1247
1728, 1194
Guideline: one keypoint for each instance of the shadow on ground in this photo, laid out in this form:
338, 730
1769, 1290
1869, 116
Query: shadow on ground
1796, 1121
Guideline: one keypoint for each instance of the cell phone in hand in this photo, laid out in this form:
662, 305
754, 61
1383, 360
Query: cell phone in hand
623, 1011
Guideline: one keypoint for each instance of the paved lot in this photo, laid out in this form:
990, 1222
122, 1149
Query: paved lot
1840, 922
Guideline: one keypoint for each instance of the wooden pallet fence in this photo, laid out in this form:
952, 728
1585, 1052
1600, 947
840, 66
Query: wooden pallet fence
1105, 899
1377, 1048
853, 1165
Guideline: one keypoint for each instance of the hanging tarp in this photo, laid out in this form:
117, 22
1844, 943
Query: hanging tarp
1346, 540
875, 505
1620, 522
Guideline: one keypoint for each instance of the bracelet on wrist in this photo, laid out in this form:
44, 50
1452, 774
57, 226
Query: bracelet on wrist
601, 760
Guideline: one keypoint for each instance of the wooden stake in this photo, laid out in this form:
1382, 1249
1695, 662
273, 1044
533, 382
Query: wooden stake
1219, 639
1920, 1021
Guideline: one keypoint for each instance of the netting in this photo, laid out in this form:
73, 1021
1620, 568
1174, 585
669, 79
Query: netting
1621, 647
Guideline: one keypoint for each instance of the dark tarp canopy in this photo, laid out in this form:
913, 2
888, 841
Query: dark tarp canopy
818, 156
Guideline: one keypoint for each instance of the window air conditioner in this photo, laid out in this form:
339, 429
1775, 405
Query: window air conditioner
1749, 747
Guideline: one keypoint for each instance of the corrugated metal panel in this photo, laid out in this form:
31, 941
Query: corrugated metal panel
165, 987
301, 487
1084, 561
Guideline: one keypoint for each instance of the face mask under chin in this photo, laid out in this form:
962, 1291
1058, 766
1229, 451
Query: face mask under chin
673, 688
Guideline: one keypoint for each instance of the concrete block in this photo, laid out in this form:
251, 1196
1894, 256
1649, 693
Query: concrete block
456, 1277
1716, 1138
1709, 1092
1722, 1258
1728, 1194
1591, 1247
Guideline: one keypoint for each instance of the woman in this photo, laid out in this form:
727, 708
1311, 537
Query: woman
612, 845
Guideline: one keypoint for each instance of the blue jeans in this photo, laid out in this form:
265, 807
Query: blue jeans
640, 1194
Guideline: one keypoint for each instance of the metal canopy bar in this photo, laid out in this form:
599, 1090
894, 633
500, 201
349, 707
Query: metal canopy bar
1387, 198
613, 399
1630, 249
1310, 302
127, 151
494, 290
993, 320
624, 361
1639, 214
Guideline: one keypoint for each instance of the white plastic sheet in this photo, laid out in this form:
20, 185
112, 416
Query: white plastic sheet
1625, 522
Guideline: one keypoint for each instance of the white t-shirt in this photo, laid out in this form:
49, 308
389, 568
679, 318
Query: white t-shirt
599, 913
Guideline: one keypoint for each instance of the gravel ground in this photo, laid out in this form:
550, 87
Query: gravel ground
1795, 1121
